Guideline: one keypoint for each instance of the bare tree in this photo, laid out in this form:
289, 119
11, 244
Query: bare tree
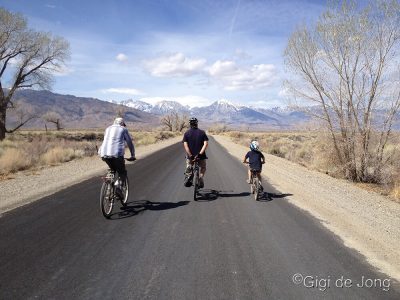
168, 122
175, 122
23, 113
181, 122
348, 66
27, 59
53, 117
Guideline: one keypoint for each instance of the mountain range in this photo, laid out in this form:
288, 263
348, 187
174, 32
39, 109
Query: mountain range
225, 112
81, 112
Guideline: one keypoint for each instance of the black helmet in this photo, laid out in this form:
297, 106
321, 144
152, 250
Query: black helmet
193, 122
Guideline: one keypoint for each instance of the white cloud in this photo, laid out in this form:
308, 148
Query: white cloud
233, 77
125, 91
174, 65
222, 68
224, 73
121, 57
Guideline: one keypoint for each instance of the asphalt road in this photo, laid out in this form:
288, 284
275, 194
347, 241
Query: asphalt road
166, 246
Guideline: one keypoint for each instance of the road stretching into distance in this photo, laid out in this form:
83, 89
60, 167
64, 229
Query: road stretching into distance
164, 245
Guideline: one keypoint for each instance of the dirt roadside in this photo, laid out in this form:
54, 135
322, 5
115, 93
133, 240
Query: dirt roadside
365, 221
29, 186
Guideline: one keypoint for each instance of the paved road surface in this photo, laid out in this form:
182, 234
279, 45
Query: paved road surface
166, 246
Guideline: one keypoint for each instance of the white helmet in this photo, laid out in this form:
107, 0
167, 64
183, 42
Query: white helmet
254, 145
119, 121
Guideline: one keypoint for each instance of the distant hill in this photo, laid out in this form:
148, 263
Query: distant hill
75, 112
80, 112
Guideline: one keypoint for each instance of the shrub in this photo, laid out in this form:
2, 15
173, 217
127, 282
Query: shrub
58, 155
13, 160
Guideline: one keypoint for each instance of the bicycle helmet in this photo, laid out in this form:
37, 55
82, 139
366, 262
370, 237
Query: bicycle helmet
119, 121
193, 122
254, 145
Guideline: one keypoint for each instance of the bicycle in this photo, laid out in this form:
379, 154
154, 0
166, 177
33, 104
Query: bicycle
112, 190
255, 184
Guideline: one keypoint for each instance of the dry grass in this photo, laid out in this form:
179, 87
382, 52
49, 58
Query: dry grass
58, 155
13, 160
315, 151
29, 150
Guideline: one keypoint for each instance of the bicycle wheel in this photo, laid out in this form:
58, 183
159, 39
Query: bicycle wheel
252, 185
106, 199
256, 188
195, 184
125, 192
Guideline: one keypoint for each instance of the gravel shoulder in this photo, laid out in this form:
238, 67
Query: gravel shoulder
29, 186
364, 220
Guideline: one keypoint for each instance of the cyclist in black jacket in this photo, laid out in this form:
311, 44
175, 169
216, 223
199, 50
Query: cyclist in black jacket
256, 159
195, 143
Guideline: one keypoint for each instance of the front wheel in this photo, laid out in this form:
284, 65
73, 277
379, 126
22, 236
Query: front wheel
106, 199
125, 192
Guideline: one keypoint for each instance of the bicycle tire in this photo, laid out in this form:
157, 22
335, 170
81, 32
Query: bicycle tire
252, 185
195, 184
257, 189
125, 192
106, 199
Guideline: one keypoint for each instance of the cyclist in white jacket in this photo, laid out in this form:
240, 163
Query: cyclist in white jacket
112, 149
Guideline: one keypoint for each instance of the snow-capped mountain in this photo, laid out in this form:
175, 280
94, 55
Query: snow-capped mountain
164, 107
226, 112
140, 105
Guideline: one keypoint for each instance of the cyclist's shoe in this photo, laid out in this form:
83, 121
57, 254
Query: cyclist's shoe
188, 180
201, 183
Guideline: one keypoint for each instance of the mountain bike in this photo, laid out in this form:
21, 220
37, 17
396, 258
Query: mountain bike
112, 190
255, 184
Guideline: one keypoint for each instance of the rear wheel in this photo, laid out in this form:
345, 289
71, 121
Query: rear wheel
125, 192
106, 199
196, 185
256, 188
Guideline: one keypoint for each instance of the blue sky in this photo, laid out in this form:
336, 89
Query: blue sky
195, 52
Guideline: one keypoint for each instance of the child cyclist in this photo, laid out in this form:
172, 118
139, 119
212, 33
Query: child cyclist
256, 159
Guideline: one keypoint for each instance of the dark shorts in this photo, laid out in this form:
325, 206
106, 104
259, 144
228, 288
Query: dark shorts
116, 164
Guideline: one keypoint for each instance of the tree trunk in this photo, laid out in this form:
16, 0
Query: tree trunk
3, 112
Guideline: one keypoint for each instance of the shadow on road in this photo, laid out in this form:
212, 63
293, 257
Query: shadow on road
211, 195
135, 207
267, 197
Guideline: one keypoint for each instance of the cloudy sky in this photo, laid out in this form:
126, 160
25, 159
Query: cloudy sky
192, 51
